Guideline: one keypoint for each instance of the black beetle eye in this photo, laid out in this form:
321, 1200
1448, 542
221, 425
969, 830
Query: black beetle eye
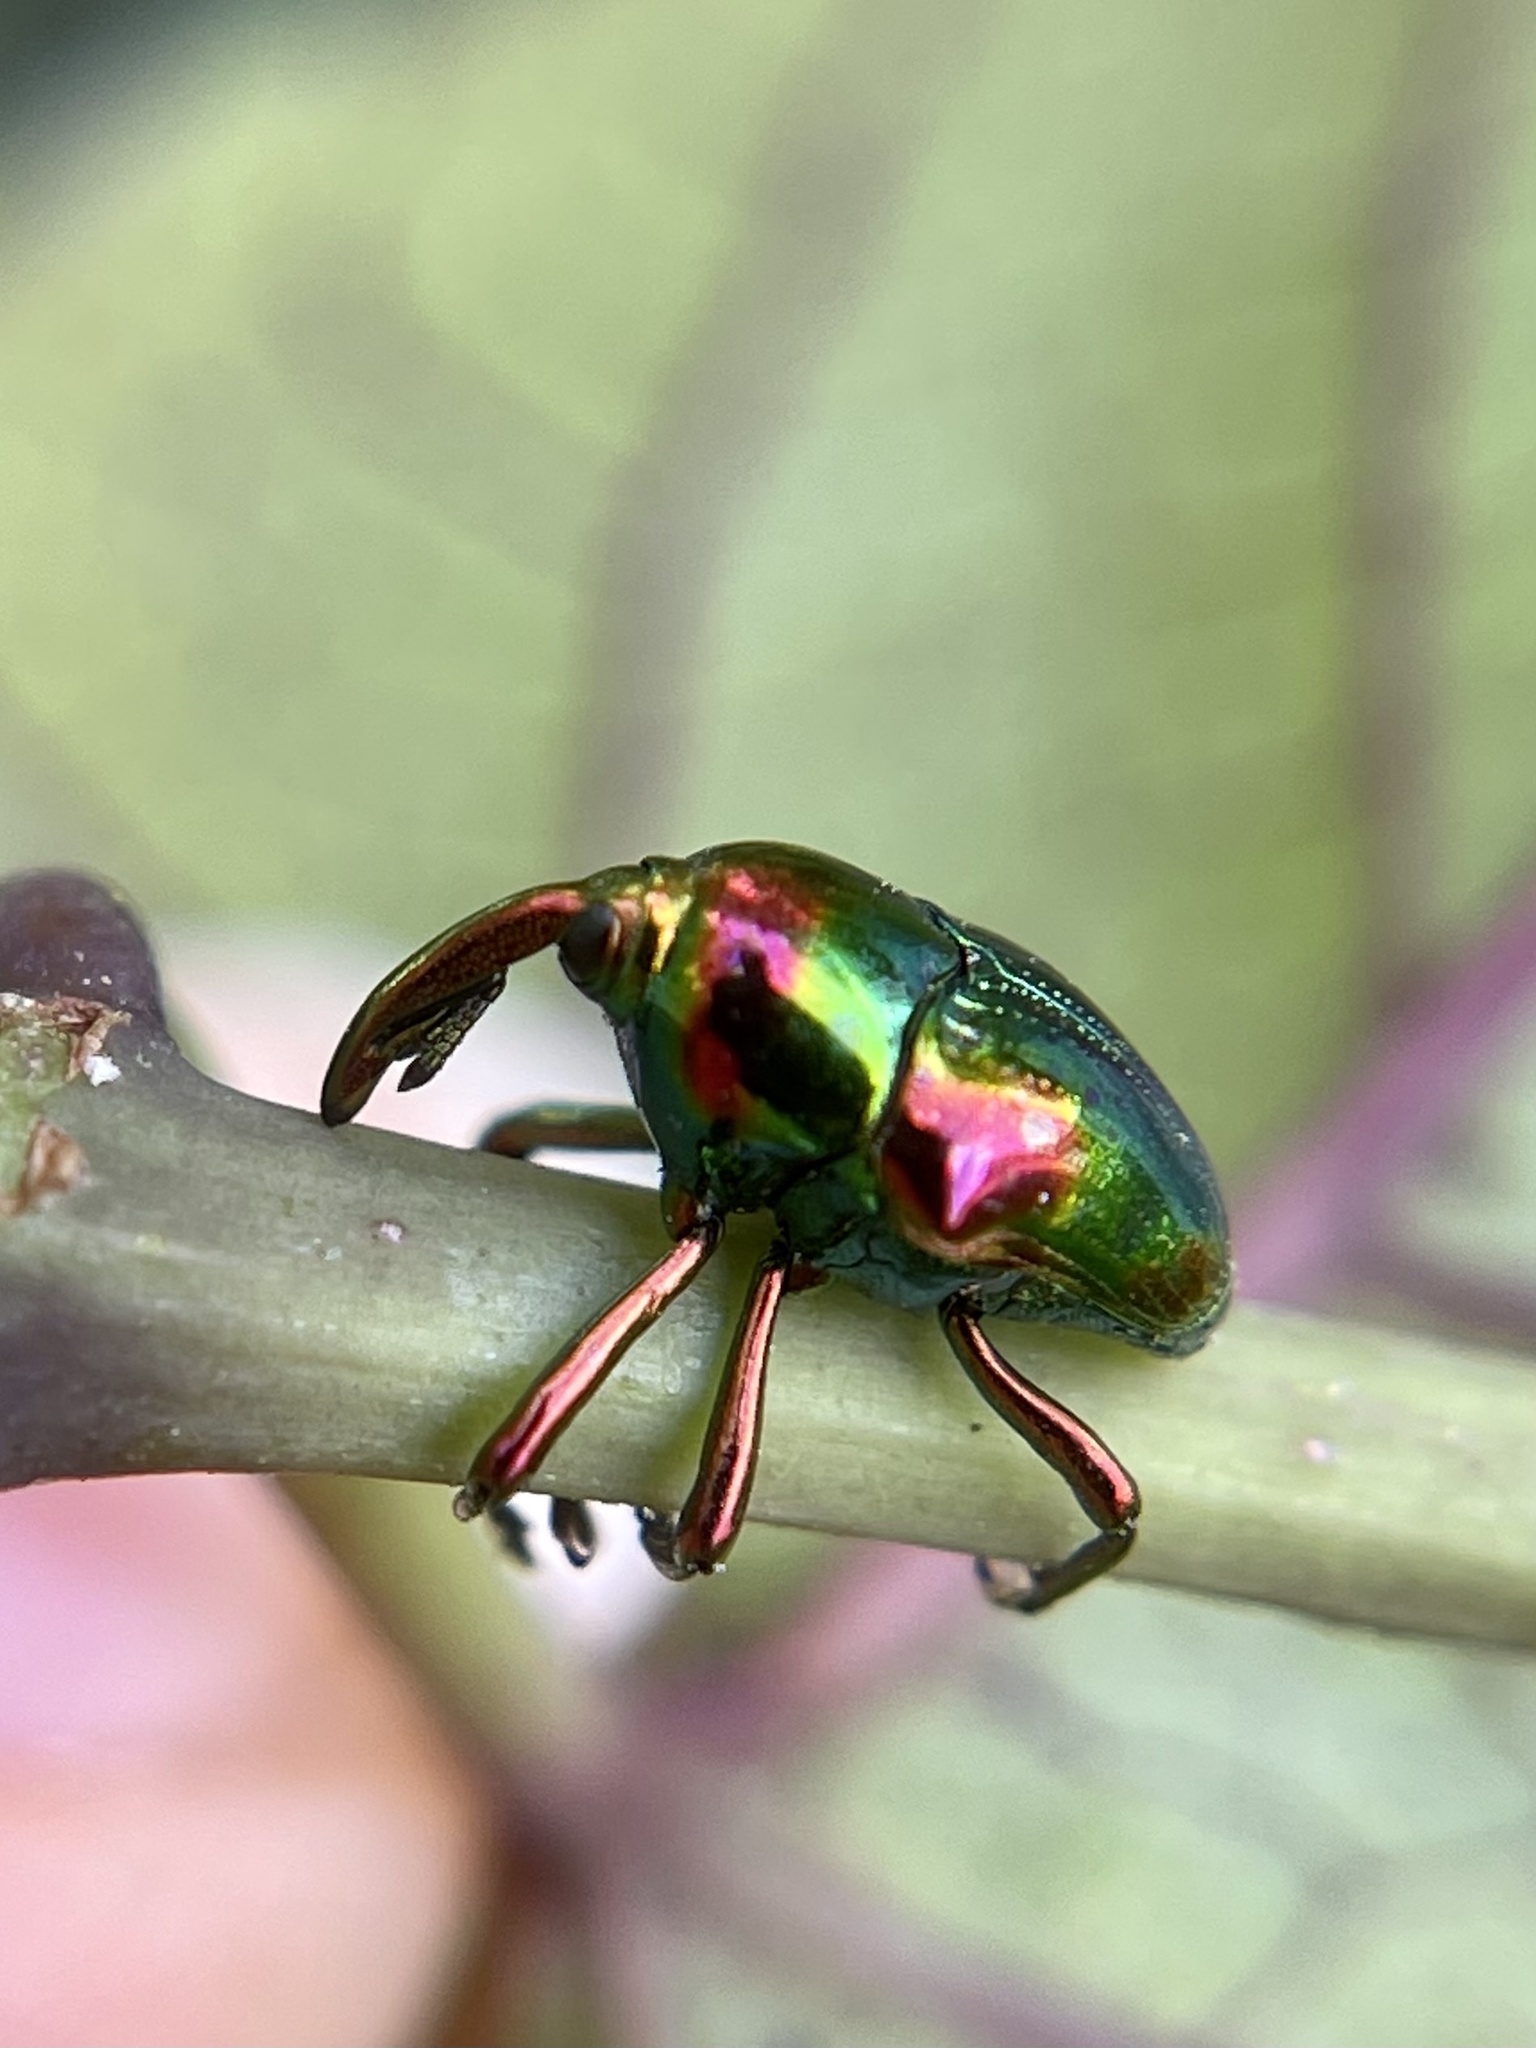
590, 945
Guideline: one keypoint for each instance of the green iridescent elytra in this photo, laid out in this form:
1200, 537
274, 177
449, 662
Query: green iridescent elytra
928, 1112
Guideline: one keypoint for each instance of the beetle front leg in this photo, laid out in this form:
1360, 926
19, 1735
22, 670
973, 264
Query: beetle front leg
697, 1539
575, 1127
1105, 1491
510, 1456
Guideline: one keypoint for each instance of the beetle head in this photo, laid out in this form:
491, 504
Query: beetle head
623, 932
610, 930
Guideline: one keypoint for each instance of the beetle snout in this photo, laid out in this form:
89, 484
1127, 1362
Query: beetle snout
422, 1011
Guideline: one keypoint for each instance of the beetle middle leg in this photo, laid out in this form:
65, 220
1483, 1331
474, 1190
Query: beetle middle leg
569, 1126
1105, 1491
697, 1538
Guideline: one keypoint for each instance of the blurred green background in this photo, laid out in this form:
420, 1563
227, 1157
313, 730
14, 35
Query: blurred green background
1078, 463
443, 448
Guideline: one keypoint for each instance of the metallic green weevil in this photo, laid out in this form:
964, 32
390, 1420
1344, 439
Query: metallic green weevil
926, 1110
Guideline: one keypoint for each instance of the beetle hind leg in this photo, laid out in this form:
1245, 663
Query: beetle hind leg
697, 1538
1105, 1491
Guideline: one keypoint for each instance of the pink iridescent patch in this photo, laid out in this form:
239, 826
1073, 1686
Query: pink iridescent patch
971, 1164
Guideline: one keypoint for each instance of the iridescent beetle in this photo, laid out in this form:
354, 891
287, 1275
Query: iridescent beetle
926, 1110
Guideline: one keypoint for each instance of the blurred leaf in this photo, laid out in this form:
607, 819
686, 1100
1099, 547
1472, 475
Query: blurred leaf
1077, 463
294, 564
524, 438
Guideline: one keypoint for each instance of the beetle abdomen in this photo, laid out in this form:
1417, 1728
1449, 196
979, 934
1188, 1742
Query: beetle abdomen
1025, 1136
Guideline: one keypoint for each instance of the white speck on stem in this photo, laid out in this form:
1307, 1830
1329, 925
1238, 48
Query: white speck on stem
99, 1068
1320, 1451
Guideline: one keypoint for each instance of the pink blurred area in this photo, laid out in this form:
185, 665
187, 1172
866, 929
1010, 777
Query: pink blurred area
225, 1814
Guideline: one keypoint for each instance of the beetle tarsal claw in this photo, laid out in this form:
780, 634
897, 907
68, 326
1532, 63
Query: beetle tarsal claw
658, 1539
1009, 1583
572, 1526
473, 1499
511, 1531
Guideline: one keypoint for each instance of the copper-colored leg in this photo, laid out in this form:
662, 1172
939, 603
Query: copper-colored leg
576, 1127
697, 1539
516, 1450
572, 1126
1105, 1491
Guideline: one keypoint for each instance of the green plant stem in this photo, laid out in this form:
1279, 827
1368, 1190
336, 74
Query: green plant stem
234, 1287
